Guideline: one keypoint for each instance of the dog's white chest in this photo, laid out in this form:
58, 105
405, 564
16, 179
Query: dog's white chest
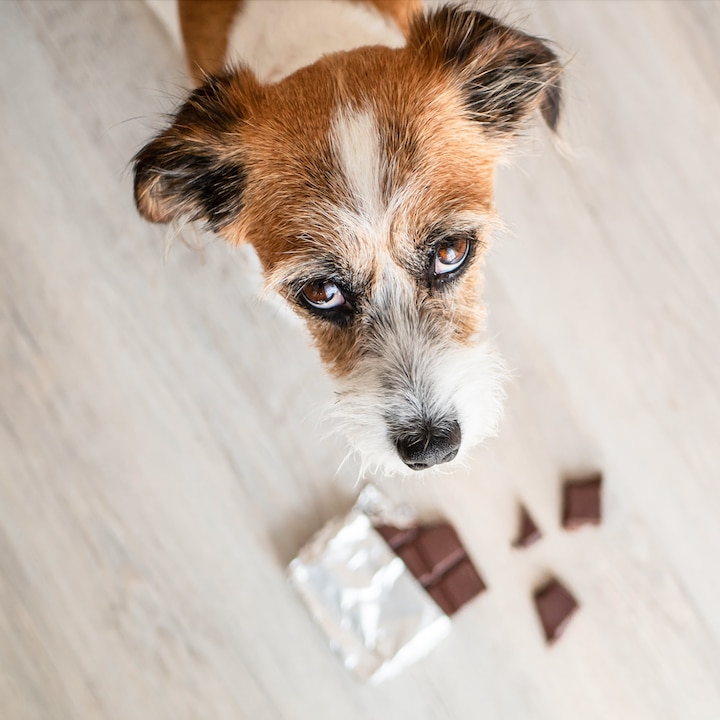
276, 37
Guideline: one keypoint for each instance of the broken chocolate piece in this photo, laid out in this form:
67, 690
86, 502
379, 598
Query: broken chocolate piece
581, 502
529, 532
436, 557
555, 606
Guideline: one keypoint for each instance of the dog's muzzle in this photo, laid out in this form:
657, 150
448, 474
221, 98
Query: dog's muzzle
433, 445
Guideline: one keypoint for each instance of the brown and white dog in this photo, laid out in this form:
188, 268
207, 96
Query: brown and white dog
353, 144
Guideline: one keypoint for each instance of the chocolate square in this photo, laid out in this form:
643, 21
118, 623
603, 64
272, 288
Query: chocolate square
457, 587
529, 532
440, 547
555, 606
582, 502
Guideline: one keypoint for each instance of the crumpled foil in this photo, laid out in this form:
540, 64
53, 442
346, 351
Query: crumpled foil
382, 511
376, 615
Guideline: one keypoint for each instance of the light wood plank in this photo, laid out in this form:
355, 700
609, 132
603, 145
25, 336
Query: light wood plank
161, 458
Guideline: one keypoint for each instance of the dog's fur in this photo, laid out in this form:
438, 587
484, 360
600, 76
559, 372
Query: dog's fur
356, 178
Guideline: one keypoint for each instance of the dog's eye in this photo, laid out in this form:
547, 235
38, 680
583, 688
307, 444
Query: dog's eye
323, 294
450, 255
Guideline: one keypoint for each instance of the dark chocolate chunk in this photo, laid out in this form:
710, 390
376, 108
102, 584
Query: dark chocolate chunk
582, 502
555, 606
436, 557
529, 531
457, 587
441, 548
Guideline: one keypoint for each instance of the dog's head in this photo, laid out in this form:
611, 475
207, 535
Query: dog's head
365, 184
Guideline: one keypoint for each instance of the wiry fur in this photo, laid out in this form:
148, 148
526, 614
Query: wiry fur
354, 170
412, 375
504, 73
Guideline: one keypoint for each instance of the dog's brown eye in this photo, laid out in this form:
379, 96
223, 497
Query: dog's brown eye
451, 254
323, 294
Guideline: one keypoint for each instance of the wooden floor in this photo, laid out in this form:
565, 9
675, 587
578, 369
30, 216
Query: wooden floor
160, 461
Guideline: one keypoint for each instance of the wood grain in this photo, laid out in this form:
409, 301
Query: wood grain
162, 452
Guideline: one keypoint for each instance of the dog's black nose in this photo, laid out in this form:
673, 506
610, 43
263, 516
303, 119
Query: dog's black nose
431, 446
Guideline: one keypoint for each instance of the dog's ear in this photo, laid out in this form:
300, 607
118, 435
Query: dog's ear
195, 169
504, 74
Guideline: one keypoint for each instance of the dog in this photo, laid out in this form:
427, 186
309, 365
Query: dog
356, 153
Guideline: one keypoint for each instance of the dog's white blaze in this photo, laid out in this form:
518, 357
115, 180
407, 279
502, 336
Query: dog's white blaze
356, 142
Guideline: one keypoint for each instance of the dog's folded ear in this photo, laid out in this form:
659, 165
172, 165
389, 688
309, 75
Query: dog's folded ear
195, 168
504, 74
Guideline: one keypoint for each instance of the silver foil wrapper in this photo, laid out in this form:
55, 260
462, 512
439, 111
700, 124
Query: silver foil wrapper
376, 615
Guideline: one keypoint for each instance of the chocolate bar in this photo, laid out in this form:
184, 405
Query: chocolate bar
529, 532
555, 606
436, 557
582, 502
